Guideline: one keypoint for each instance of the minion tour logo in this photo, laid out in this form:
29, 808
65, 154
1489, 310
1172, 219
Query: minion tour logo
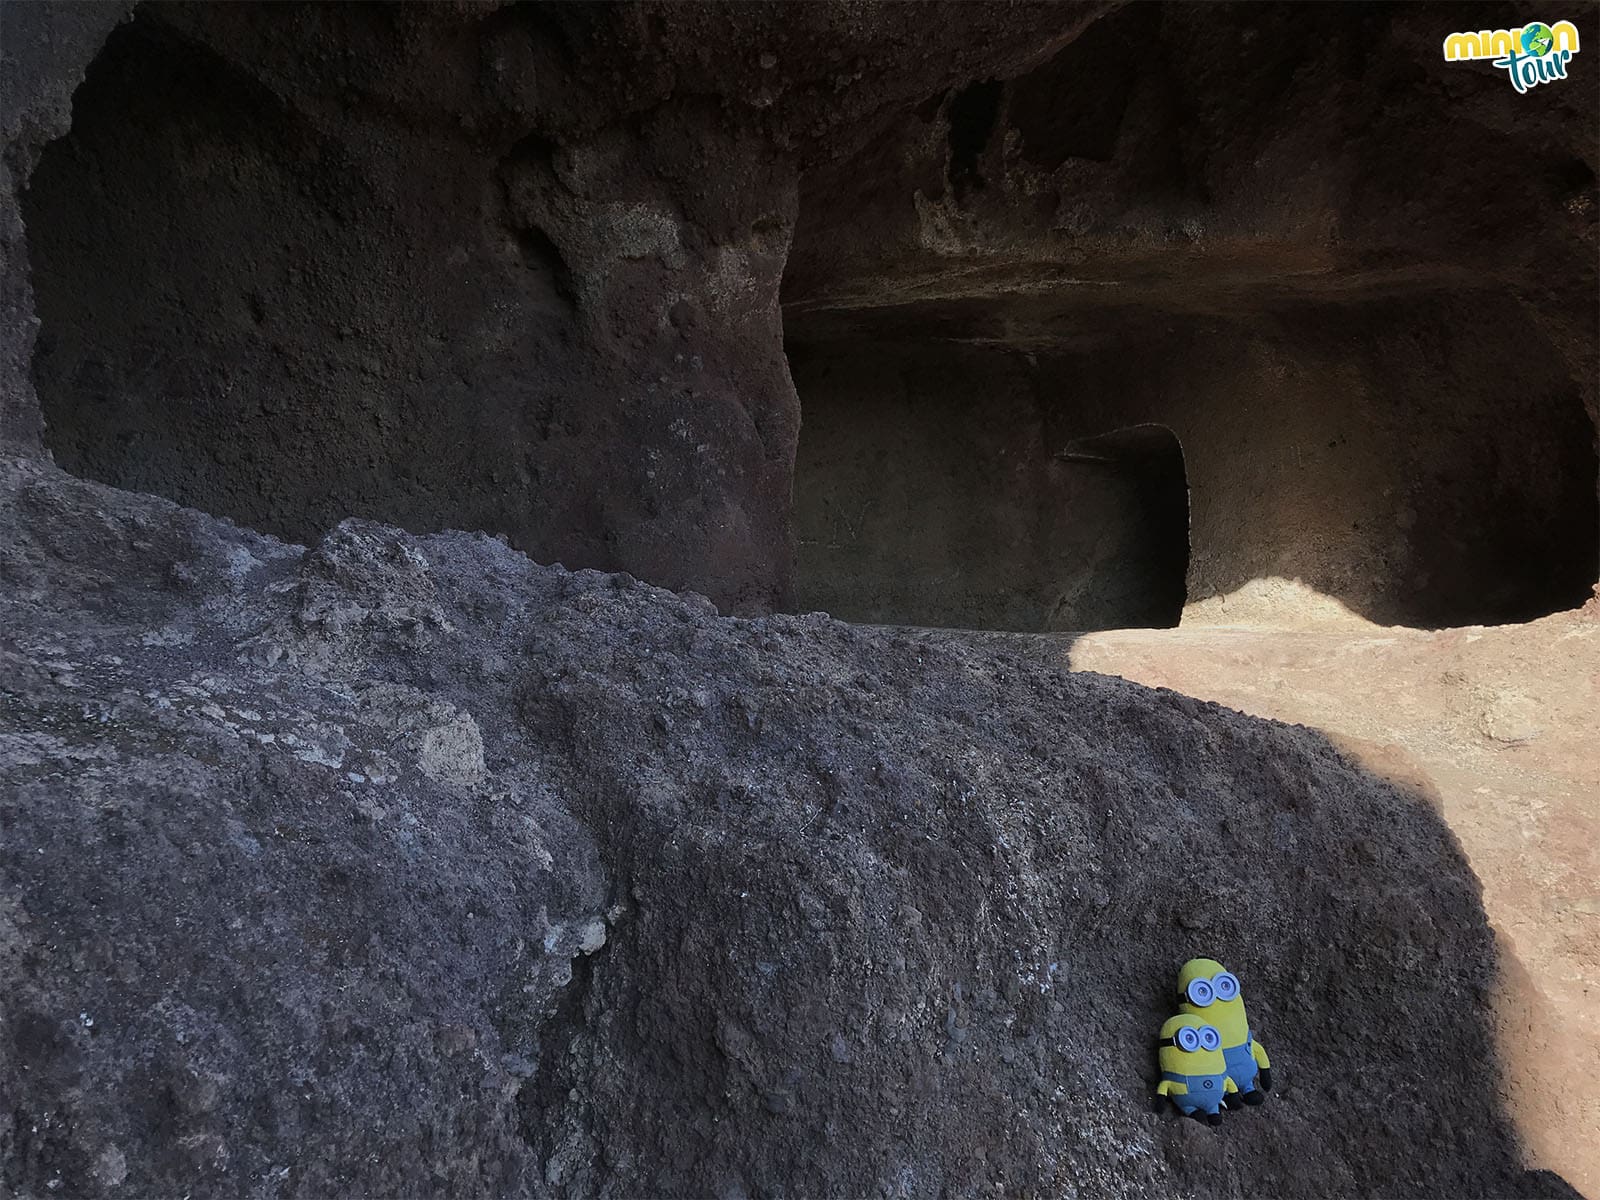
1534, 54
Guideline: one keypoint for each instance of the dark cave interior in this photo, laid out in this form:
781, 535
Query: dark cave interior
221, 323
935, 492
958, 464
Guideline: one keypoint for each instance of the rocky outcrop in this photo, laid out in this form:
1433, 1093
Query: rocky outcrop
405, 866
511, 269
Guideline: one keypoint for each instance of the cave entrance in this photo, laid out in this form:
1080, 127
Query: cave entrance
931, 493
1139, 477
285, 323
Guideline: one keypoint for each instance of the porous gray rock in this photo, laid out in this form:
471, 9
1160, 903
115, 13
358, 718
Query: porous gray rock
402, 865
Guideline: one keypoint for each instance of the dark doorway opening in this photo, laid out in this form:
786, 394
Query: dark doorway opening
928, 492
1137, 579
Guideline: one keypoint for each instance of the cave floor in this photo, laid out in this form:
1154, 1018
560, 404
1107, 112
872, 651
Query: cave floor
1499, 727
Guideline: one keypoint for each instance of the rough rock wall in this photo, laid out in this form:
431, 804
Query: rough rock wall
405, 866
930, 490
511, 269
464, 268
1387, 451
1258, 193
289, 321
1184, 142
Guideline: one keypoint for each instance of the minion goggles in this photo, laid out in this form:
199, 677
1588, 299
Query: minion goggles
1201, 992
1191, 1038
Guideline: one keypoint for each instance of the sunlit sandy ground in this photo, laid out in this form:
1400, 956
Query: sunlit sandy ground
1500, 727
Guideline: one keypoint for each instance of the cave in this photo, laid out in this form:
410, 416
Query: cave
282, 294
220, 323
292, 290
929, 491
1026, 464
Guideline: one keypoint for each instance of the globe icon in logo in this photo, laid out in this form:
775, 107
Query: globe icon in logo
1537, 39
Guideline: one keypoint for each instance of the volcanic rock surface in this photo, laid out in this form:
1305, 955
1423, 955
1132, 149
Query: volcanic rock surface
405, 865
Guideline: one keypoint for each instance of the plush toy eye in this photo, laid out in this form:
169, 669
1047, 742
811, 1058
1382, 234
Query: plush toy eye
1210, 1039
1188, 1039
1200, 992
1225, 985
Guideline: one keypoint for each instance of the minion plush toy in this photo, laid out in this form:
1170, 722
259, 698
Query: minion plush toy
1194, 1075
1208, 991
